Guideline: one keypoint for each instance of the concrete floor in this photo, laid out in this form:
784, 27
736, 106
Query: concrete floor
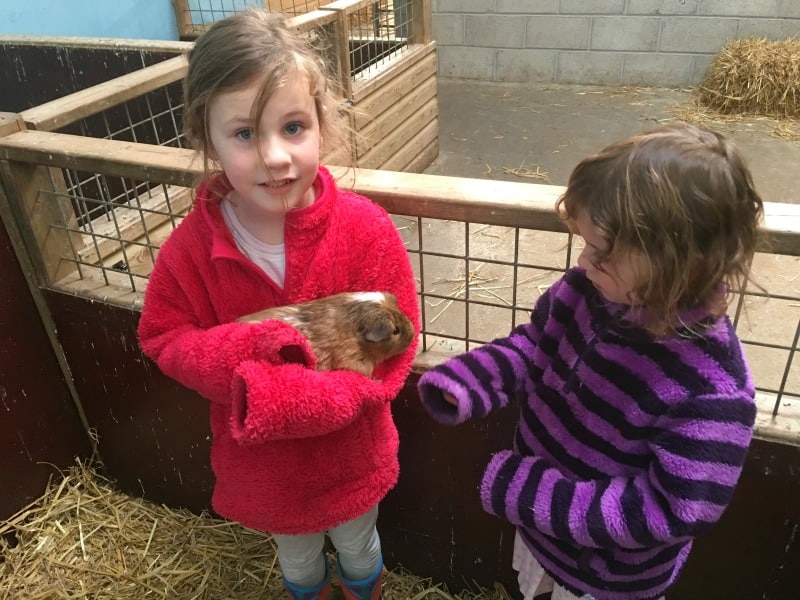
538, 133
516, 131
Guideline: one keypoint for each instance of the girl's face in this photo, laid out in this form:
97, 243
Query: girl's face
281, 177
614, 279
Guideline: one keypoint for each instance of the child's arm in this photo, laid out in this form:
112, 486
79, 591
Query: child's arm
480, 381
290, 401
203, 358
696, 464
487, 377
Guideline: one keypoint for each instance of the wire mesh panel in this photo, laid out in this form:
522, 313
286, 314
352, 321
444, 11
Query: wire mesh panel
376, 29
153, 118
480, 264
194, 16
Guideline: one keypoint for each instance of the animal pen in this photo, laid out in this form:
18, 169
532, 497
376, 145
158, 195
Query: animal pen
93, 182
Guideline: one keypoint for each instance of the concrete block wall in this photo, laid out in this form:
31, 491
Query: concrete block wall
666, 43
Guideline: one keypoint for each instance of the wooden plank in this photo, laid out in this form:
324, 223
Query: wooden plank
312, 20
379, 154
130, 223
376, 76
139, 256
424, 159
405, 78
507, 203
284, 6
97, 43
115, 292
781, 227
348, 6
142, 162
408, 109
340, 54
413, 147
10, 123
58, 113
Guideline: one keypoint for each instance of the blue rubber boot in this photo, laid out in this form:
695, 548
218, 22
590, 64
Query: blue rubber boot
314, 592
362, 589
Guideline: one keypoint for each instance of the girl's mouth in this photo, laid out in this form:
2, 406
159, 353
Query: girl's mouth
276, 185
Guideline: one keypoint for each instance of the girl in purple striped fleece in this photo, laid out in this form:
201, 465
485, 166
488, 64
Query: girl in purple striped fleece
636, 404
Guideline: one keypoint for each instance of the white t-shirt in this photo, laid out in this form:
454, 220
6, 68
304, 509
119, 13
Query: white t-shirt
270, 257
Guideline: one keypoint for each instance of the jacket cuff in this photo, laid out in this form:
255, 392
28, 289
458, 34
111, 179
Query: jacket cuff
431, 387
280, 343
242, 427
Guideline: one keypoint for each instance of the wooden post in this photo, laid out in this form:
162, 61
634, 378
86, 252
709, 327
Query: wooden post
421, 21
339, 53
184, 18
37, 203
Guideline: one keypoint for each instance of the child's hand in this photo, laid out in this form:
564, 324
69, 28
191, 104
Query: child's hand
449, 399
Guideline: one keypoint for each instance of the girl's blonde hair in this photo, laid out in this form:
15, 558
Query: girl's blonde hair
681, 196
249, 46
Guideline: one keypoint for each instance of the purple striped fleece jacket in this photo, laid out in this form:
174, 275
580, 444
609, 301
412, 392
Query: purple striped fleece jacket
627, 446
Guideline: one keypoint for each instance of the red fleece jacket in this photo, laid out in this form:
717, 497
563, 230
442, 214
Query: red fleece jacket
294, 450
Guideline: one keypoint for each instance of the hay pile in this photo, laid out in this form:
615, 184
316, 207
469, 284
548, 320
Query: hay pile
756, 76
82, 539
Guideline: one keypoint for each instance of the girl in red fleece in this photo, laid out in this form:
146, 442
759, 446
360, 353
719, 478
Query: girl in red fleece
296, 452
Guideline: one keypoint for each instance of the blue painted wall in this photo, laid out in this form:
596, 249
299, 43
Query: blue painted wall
138, 19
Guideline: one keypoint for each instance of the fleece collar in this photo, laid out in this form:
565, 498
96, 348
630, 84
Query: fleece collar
303, 226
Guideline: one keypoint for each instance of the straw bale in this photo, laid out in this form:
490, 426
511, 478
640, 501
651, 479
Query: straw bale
754, 75
83, 539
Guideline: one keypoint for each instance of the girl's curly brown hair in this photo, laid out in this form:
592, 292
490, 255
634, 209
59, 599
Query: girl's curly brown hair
681, 196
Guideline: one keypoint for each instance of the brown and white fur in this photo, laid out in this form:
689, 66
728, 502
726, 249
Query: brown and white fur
351, 330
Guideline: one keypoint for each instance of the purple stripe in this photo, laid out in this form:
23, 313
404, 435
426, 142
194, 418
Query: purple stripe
695, 470
514, 490
578, 524
642, 367
561, 558
691, 354
614, 397
690, 511
735, 433
568, 443
611, 509
657, 521
543, 502
472, 383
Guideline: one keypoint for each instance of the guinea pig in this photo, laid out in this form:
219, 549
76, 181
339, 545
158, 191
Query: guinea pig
351, 330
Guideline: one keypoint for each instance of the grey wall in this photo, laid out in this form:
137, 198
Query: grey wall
604, 42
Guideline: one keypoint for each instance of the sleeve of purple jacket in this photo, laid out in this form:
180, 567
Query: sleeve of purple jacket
485, 378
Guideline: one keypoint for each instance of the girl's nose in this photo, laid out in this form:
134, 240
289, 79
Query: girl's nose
274, 153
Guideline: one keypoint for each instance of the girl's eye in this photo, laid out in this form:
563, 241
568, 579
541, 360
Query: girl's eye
293, 128
245, 134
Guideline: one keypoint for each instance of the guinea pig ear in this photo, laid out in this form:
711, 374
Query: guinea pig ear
379, 331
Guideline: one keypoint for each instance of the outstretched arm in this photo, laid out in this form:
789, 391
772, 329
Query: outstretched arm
486, 378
